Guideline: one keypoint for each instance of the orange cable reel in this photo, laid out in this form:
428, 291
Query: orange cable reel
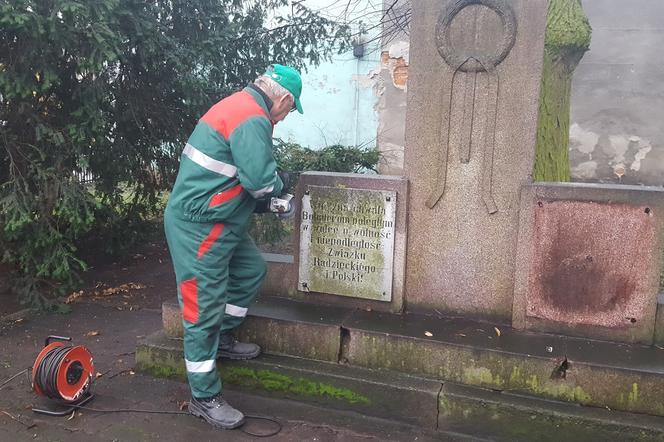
62, 372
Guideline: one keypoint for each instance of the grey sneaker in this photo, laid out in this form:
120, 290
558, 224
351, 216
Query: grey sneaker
217, 412
231, 348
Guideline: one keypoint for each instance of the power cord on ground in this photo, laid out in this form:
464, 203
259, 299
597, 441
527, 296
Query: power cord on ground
136, 410
14, 377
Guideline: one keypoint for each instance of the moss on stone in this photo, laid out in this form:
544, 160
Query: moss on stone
164, 367
567, 38
273, 381
162, 371
558, 391
158, 364
633, 396
567, 26
482, 376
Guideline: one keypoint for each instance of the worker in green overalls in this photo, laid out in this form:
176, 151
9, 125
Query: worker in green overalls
227, 170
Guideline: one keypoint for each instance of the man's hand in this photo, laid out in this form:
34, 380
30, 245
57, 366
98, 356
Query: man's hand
262, 206
282, 206
288, 214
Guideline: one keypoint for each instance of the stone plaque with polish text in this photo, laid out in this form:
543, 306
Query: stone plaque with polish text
347, 242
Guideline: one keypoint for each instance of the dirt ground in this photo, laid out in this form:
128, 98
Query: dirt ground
121, 303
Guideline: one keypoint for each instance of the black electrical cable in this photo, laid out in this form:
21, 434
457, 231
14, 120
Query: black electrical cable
13, 377
274, 421
48, 367
46, 376
135, 410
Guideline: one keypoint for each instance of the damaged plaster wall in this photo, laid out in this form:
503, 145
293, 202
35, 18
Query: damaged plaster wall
391, 87
338, 95
617, 134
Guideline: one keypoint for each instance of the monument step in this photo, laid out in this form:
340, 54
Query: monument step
442, 406
282, 326
589, 372
375, 393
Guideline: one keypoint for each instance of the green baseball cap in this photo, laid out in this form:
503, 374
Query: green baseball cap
289, 78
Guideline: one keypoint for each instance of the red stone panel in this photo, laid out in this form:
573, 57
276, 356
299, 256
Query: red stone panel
590, 263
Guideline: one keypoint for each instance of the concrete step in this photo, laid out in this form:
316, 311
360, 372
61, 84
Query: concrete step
281, 327
589, 372
370, 392
448, 408
602, 374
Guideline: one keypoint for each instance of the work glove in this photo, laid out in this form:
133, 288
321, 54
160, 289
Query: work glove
262, 205
288, 214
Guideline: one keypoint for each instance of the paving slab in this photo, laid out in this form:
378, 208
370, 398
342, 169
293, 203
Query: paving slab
511, 418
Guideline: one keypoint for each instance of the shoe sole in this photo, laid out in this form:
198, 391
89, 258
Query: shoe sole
196, 411
238, 357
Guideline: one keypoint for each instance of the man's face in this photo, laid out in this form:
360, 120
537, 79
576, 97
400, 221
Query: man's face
281, 108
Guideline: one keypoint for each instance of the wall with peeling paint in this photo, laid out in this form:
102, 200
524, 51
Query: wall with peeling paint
391, 92
390, 89
616, 135
617, 131
338, 96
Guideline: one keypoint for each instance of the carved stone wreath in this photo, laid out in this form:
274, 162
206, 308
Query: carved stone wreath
469, 62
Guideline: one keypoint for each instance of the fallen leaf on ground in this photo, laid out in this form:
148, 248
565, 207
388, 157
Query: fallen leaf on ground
92, 333
123, 288
428, 333
74, 296
497, 331
183, 405
102, 290
101, 374
461, 334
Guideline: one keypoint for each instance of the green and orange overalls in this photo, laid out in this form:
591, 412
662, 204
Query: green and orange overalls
226, 166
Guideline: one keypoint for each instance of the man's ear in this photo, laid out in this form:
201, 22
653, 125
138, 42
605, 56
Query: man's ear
286, 100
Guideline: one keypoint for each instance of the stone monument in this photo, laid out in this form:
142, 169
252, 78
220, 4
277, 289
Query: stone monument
475, 74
